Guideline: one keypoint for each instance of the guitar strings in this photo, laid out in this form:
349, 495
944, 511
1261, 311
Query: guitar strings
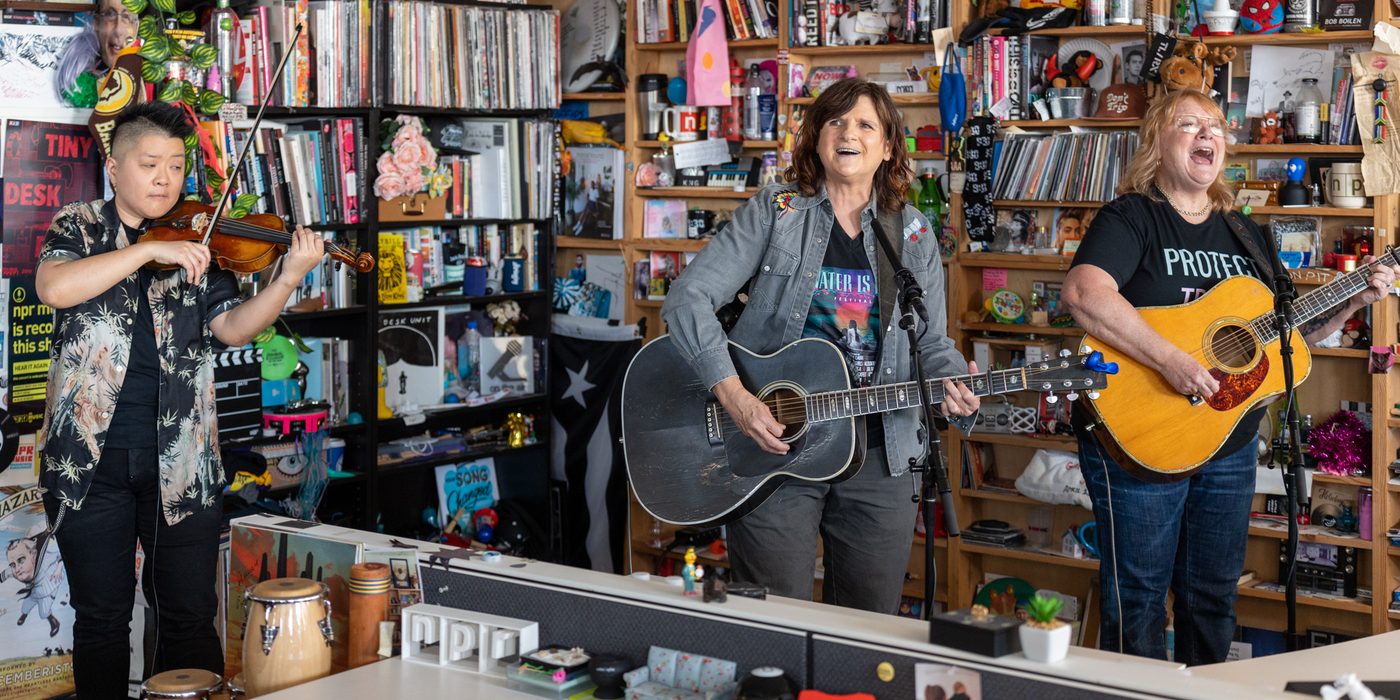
1240, 339
727, 421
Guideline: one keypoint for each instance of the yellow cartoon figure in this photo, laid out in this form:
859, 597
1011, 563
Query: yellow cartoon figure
690, 573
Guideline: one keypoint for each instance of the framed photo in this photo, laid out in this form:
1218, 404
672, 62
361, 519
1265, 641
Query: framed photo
1299, 240
399, 576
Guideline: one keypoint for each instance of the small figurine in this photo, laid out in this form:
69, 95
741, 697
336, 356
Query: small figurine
691, 572
517, 430
716, 591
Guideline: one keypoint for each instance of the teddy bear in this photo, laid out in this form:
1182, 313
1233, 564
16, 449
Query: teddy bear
1270, 129
1192, 65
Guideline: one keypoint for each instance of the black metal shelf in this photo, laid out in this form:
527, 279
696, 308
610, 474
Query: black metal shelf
447, 223
460, 112
342, 312
354, 478
436, 417
457, 299
337, 227
465, 456
312, 112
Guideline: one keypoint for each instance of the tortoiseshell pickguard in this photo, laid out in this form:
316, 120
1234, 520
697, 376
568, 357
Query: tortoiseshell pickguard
1236, 389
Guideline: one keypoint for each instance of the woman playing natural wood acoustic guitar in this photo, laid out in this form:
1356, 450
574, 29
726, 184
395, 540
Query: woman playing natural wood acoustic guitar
1166, 240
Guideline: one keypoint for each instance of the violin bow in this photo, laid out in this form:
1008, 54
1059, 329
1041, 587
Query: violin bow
243, 152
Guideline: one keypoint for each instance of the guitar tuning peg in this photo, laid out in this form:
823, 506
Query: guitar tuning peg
1084, 350
1052, 398
1065, 352
1093, 396
1072, 396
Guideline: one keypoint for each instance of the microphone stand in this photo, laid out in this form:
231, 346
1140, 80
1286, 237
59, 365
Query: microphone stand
933, 473
1291, 442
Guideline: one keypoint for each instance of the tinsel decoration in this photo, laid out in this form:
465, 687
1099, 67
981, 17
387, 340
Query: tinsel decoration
83, 92
1341, 445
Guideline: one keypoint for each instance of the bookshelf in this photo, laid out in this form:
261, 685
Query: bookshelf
391, 496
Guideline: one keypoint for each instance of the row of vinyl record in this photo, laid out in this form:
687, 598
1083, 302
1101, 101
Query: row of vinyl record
332, 63
412, 261
464, 57
1066, 167
501, 168
660, 21
308, 172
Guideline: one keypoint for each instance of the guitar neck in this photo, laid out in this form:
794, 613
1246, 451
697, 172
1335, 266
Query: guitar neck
1321, 300
849, 403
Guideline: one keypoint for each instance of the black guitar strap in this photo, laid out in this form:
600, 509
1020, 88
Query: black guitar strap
1266, 259
886, 286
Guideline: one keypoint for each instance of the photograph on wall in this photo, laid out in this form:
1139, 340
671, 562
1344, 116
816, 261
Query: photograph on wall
591, 197
939, 682
29, 56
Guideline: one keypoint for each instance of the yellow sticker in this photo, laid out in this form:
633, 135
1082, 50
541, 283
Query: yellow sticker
885, 671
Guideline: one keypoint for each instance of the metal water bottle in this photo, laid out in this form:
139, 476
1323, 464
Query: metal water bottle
1299, 15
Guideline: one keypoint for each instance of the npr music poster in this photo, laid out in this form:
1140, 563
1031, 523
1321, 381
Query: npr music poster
46, 166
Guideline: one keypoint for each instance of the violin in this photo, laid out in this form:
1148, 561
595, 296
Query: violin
243, 246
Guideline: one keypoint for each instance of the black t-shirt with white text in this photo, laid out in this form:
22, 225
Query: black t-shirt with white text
1160, 259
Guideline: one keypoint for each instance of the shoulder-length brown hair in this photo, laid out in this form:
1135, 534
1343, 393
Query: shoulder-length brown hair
891, 180
1141, 175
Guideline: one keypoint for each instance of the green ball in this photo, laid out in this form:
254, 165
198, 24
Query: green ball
1246, 210
279, 358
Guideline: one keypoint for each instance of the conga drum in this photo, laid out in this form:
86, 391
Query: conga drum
235, 687
287, 638
182, 683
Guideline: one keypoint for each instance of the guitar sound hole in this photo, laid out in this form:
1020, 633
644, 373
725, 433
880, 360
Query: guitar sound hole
1233, 347
789, 409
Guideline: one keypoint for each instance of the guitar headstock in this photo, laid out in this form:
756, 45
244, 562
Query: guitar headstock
1069, 374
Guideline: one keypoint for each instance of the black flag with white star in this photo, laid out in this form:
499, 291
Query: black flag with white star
587, 361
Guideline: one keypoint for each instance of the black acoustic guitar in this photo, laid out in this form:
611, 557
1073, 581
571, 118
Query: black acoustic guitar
690, 465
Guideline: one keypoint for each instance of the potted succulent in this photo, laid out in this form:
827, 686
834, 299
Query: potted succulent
410, 183
1044, 638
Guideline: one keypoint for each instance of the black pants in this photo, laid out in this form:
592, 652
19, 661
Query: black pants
98, 544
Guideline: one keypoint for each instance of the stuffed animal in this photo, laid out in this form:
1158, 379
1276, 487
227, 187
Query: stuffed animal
1261, 16
1192, 65
1270, 129
1074, 72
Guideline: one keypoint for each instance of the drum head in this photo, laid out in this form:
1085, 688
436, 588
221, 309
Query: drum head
285, 590
182, 683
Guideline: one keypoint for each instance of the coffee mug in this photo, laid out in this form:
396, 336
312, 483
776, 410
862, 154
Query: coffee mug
681, 123
1345, 187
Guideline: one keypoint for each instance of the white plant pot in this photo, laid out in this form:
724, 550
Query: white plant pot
1047, 646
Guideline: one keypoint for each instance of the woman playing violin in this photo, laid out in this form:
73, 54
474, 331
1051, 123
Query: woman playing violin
131, 441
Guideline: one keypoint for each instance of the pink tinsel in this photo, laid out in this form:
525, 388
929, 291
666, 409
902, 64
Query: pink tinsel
1341, 445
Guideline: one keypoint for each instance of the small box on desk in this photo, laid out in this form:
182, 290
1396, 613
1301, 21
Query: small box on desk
989, 635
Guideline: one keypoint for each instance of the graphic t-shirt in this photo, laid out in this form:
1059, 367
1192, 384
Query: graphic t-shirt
1160, 259
845, 310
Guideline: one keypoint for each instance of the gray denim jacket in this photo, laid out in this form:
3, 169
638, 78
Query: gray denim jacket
778, 238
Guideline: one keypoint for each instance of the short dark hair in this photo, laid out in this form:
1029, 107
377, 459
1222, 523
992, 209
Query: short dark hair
149, 118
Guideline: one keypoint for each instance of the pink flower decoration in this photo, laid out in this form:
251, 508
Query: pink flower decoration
386, 164
410, 156
390, 185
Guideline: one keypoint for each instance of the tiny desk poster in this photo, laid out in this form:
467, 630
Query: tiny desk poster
46, 167
36, 648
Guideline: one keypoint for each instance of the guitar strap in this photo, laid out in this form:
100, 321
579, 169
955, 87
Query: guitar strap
886, 285
1266, 259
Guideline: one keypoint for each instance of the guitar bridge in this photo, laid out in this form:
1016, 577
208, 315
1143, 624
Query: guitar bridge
713, 432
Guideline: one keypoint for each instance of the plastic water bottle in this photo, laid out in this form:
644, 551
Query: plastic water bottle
753, 88
469, 359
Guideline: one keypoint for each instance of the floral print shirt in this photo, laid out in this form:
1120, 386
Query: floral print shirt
87, 364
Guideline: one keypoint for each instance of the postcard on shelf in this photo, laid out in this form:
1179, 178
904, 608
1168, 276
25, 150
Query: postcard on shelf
507, 363
663, 218
592, 200
665, 268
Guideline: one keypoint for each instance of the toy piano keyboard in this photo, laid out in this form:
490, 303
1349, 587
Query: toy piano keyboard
298, 417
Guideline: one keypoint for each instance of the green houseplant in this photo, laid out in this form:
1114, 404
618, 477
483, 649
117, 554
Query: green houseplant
1043, 637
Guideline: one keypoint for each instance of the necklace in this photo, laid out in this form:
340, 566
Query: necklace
1188, 214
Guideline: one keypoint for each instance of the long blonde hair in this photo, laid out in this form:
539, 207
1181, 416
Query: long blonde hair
1141, 175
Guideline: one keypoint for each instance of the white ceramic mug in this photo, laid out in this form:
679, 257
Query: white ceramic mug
681, 123
1345, 187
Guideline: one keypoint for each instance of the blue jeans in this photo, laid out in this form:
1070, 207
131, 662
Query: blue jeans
1186, 536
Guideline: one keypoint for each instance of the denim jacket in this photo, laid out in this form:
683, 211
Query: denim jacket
778, 238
